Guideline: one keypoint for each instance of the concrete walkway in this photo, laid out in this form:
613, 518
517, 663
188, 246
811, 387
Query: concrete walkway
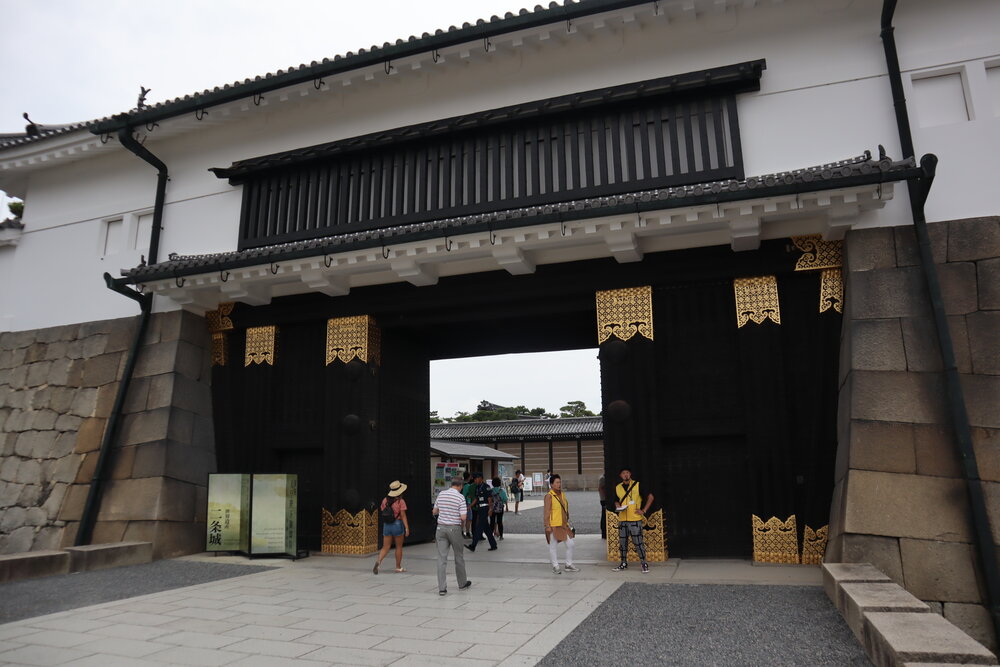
333, 610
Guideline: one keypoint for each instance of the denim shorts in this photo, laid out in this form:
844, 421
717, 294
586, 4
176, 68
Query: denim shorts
393, 529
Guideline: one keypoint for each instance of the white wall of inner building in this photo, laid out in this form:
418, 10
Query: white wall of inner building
824, 97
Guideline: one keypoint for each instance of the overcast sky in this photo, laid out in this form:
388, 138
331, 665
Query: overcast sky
66, 61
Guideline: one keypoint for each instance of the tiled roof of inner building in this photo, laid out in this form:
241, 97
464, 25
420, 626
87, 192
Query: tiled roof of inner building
518, 429
860, 170
401, 48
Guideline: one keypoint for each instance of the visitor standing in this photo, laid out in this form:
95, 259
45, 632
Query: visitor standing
481, 513
469, 491
499, 506
517, 489
394, 525
557, 525
449, 508
630, 518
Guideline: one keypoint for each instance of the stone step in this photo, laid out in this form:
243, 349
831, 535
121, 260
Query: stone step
860, 599
14, 567
103, 556
835, 574
898, 638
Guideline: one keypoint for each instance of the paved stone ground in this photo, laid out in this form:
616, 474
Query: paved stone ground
584, 509
671, 624
35, 597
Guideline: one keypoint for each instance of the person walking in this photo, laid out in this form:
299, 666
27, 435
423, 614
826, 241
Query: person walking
449, 508
630, 519
498, 503
395, 527
517, 489
481, 510
557, 526
469, 491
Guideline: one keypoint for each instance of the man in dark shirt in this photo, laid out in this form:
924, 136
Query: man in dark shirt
481, 514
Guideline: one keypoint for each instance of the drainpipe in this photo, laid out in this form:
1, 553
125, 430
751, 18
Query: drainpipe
918, 190
145, 301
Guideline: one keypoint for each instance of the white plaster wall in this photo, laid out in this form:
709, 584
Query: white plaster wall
824, 97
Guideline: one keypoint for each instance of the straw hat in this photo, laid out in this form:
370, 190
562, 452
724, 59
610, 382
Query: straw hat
396, 489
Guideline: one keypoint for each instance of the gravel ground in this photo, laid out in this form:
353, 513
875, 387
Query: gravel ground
584, 508
677, 624
47, 595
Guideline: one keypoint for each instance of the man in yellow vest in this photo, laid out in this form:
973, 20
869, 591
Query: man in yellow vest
630, 518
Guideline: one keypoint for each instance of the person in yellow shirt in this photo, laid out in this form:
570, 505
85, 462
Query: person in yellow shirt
628, 501
557, 526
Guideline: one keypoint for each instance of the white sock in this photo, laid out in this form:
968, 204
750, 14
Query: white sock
569, 551
552, 551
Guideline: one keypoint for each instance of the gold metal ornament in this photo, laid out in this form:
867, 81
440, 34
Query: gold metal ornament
220, 351
355, 337
260, 345
654, 538
775, 541
817, 253
623, 313
350, 534
757, 300
831, 290
814, 545
218, 320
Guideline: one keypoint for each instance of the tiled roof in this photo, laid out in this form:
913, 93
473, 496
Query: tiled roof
860, 170
528, 429
401, 48
468, 450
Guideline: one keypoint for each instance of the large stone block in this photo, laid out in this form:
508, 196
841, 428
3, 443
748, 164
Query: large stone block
43, 420
136, 398
105, 400
991, 491
89, 435
984, 341
161, 391
84, 402
56, 350
94, 345
884, 446
18, 541
108, 531
47, 538
145, 426
907, 253
936, 451
101, 370
194, 330
64, 444
59, 372
893, 638
104, 556
43, 445
897, 397
68, 423
35, 352
8, 468
12, 518
38, 373
868, 249
29, 472
945, 571
973, 238
982, 396
122, 459
837, 574
958, 287
120, 339
170, 538
150, 459
974, 620
9, 493
72, 507
192, 395
35, 564
189, 464
886, 293
860, 599
876, 345
88, 463
156, 359
30, 496
988, 279
61, 399
191, 360
986, 442
923, 351
894, 505
52, 503
149, 499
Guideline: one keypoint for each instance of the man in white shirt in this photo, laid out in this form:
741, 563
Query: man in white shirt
450, 510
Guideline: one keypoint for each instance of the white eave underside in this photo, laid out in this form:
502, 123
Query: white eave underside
741, 224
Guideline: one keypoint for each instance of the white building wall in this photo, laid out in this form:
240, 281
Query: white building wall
824, 97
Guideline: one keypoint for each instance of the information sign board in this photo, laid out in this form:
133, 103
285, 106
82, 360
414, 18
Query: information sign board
272, 525
228, 513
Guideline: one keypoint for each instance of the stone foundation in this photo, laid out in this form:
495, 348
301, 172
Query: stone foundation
900, 502
57, 389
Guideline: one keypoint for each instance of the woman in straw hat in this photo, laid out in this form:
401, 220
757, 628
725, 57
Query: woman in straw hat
393, 531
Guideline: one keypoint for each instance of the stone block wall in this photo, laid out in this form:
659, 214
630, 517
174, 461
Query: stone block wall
57, 390
900, 501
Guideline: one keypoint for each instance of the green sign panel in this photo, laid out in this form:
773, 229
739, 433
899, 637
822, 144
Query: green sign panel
229, 513
275, 503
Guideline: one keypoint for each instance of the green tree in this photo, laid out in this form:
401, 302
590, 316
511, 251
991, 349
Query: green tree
16, 208
575, 409
434, 417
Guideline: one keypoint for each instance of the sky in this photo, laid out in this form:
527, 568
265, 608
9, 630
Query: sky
66, 61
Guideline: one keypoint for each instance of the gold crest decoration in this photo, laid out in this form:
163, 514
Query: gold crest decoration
355, 337
260, 345
350, 534
654, 538
831, 291
624, 313
219, 323
756, 300
775, 541
814, 545
817, 253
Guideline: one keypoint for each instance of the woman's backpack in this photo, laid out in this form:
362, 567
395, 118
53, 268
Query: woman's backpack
387, 513
497, 501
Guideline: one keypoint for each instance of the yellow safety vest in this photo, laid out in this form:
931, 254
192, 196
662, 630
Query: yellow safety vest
632, 503
556, 511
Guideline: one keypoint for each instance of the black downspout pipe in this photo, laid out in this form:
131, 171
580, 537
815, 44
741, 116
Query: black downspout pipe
89, 516
918, 190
